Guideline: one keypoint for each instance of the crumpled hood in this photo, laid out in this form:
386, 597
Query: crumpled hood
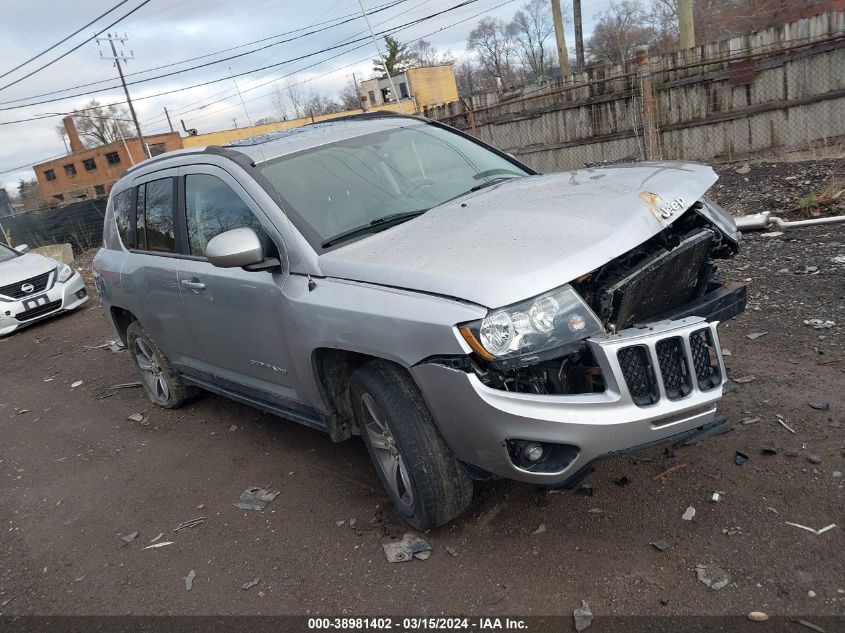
23, 267
522, 237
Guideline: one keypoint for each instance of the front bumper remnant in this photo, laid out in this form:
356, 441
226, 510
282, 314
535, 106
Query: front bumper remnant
681, 373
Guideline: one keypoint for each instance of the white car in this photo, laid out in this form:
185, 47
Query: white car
34, 287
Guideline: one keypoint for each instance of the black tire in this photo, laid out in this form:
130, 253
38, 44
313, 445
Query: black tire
434, 488
161, 382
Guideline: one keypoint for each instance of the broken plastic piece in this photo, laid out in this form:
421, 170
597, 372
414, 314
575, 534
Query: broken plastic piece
255, 499
408, 547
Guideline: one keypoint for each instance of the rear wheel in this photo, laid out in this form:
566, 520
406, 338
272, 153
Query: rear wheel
425, 482
158, 377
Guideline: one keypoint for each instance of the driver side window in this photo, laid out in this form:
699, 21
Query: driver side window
212, 207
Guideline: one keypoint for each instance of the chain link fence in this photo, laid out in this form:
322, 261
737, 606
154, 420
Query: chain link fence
772, 91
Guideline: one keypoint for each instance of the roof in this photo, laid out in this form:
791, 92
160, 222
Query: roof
275, 144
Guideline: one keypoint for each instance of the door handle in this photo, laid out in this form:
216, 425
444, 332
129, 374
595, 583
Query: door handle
193, 285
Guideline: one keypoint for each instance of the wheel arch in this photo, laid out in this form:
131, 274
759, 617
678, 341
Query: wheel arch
122, 319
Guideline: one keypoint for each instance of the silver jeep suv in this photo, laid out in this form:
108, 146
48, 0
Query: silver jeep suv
393, 278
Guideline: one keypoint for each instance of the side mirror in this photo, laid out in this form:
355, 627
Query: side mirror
23, 248
235, 249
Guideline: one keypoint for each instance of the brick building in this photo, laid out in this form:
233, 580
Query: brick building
91, 172
427, 86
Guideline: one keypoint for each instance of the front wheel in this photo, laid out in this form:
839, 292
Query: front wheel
425, 482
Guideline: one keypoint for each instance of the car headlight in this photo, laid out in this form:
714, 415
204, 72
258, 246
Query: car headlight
552, 321
718, 216
64, 272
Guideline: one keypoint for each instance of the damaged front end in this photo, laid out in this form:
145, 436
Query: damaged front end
669, 277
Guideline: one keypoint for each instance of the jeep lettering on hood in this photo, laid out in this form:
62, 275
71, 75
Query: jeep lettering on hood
524, 236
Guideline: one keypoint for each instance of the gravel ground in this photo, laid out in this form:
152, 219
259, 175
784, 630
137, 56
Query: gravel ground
77, 475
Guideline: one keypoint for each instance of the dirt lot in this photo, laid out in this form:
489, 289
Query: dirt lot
77, 475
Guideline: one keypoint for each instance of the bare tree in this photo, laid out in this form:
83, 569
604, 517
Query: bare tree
280, 103
492, 41
350, 96
296, 95
318, 104
423, 54
531, 28
100, 125
618, 31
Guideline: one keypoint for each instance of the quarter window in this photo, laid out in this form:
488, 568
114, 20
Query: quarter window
212, 207
123, 217
158, 216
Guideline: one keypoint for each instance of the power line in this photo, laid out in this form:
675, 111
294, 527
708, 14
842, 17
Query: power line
345, 20
62, 41
78, 46
247, 72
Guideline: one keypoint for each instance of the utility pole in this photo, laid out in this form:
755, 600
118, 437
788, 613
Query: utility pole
562, 54
685, 24
579, 35
167, 114
361, 102
378, 50
117, 58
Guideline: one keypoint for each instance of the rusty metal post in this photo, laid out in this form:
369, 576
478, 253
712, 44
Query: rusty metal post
649, 109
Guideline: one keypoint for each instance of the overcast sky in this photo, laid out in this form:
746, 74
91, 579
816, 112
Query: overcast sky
170, 31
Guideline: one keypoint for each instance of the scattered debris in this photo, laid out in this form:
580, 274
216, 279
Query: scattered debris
129, 537
410, 546
768, 450
584, 489
255, 499
191, 523
740, 458
158, 537
233, 428
162, 544
622, 481
138, 417
786, 426
664, 602
8, 600
830, 361
819, 324
747, 421
669, 471
811, 594
125, 385
189, 579
583, 616
726, 352
814, 459
809, 529
772, 510
716, 496
755, 335
744, 379
22, 411
249, 585
661, 545
809, 625
540, 529
688, 514
112, 346
743, 169
757, 616
451, 550
76, 384
712, 576
340, 523
819, 405
836, 474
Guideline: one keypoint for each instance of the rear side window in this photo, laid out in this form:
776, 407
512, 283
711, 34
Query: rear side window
156, 224
213, 207
123, 217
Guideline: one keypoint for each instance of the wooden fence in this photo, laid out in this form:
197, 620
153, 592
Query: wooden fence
768, 91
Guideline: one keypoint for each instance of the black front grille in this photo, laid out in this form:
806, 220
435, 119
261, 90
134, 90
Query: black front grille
38, 283
704, 359
673, 367
34, 313
639, 376
662, 283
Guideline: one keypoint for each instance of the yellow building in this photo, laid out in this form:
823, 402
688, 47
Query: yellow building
428, 86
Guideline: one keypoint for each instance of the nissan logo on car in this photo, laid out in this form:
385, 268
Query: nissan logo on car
27, 288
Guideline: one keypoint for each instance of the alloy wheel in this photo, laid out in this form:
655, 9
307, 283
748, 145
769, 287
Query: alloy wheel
151, 370
386, 452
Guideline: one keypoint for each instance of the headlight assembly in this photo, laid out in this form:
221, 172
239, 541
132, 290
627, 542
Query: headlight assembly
64, 272
549, 323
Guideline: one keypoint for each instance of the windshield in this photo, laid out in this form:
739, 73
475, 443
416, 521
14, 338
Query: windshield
340, 187
7, 253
